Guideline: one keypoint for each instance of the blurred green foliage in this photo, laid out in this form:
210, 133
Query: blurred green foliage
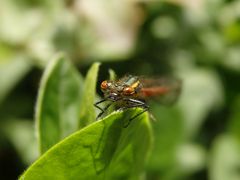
196, 40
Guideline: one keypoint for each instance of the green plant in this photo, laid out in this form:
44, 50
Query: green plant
72, 144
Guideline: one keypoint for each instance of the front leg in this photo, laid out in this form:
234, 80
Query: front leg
104, 110
108, 98
99, 102
97, 106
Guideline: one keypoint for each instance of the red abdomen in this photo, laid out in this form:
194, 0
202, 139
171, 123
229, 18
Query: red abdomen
154, 91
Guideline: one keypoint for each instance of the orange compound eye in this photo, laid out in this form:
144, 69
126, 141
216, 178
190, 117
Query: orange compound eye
128, 90
104, 85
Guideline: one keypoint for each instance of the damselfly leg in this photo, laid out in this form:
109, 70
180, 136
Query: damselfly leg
103, 110
134, 103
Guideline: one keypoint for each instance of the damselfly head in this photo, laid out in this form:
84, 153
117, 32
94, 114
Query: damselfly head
104, 85
107, 86
110, 89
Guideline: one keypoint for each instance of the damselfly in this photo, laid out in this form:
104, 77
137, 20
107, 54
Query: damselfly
133, 91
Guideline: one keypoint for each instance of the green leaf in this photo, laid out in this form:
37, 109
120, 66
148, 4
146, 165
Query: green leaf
112, 74
102, 150
87, 112
58, 102
224, 159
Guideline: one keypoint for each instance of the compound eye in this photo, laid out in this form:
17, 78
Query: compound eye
104, 85
128, 90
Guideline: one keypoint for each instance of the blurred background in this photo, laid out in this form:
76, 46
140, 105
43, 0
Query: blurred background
195, 40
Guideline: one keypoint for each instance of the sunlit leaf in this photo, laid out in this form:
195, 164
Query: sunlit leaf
102, 150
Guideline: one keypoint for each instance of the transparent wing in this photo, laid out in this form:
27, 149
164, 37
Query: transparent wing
165, 90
